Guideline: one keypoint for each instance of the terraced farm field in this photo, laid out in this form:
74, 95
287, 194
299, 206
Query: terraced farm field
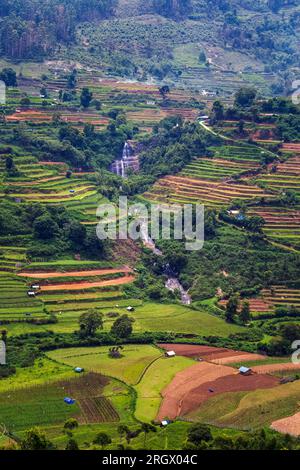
15, 304
213, 182
283, 176
269, 299
281, 224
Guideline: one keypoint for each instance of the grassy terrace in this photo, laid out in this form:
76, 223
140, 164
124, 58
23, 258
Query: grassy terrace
214, 181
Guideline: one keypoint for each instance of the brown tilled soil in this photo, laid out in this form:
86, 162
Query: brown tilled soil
289, 425
91, 272
267, 368
242, 357
229, 383
210, 353
87, 390
185, 382
88, 285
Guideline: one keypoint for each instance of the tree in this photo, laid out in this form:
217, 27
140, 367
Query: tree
86, 97
245, 97
71, 423
4, 335
72, 79
123, 430
9, 77
102, 439
45, 227
122, 327
36, 440
146, 428
77, 232
90, 322
245, 315
202, 57
164, 91
231, 308
72, 445
198, 433
217, 111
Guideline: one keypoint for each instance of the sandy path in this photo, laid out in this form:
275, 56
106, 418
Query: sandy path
88, 285
91, 272
289, 425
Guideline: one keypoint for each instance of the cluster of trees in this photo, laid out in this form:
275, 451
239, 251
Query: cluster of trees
87, 149
52, 230
30, 29
177, 9
200, 437
173, 145
92, 320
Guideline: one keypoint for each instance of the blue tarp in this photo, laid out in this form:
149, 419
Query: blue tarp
69, 401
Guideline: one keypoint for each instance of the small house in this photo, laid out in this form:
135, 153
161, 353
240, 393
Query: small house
165, 422
245, 370
130, 309
170, 354
79, 369
31, 293
35, 287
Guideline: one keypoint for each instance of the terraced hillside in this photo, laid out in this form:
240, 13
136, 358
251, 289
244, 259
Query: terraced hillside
214, 182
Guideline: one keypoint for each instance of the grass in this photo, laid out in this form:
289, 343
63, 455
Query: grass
149, 316
43, 370
129, 368
41, 405
157, 377
251, 410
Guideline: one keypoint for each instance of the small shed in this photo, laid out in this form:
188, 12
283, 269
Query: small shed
245, 370
130, 309
170, 354
79, 369
69, 401
165, 422
35, 287
31, 293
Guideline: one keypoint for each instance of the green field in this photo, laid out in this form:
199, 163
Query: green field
128, 368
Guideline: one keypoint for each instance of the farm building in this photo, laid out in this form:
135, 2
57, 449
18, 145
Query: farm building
130, 309
165, 422
245, 370
170, 354
79, 370
31, 293
35, 287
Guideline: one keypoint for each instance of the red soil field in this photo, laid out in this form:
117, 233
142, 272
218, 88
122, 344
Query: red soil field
185, 382
268, 368
88, 285
229, 383
210, 353
289, 425
92, 272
